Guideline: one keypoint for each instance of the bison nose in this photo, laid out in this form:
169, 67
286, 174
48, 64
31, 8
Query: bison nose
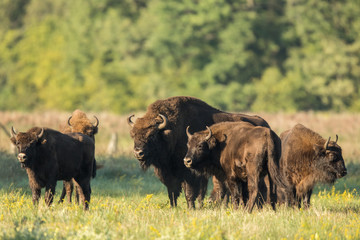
139, 153
22, 157
187, 162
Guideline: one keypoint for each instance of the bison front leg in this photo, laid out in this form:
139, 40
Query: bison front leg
195, 187
189, 195
49, 194
36, 192
172, 183
202, 191
306, 199
173, 194
235, 191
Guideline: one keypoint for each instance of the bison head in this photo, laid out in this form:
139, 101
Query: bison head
199, 146
26, 144
83, 125
150, 139
329, 162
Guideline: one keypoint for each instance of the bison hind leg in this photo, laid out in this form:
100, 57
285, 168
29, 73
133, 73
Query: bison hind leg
253, 185
84, 191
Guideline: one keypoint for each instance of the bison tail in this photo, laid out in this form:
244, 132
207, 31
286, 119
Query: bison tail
274, 154
94, 169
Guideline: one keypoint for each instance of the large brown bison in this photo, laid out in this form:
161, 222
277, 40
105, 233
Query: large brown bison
160, 141
49, 156
78, 122
237, 153
307, 159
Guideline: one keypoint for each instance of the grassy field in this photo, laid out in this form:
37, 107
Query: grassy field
130, 204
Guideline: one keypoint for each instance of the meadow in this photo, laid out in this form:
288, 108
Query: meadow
128, 203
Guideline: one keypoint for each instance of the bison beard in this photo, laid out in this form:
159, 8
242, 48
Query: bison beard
160, 141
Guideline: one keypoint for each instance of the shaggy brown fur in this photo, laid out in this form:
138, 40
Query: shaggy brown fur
237, 152
48, 156
79, 123
305, 161
165, 148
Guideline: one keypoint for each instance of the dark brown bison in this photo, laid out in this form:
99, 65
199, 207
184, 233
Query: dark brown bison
306, 159
49, 156
78, 122
160, 141
237, 153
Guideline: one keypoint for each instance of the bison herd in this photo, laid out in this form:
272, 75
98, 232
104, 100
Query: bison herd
187, 142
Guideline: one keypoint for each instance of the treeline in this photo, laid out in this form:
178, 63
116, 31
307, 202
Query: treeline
119, 56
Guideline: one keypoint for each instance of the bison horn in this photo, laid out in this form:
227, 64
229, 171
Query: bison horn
164, 123
13, 132
69, 121
41, 133
131, 123
97, 121
327, 143
188, 133
209, 135
336, 138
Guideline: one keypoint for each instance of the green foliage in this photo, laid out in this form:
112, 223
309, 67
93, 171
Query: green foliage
120, 56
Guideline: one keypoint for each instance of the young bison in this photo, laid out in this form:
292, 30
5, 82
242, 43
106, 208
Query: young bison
306, 159
236, 153
78, 122
49, 156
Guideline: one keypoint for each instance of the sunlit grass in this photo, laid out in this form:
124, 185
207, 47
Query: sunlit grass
130, 204
150, 218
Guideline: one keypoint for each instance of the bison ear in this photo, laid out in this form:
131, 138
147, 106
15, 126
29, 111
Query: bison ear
318, 149
212, 142
13, 140
41, 140
223, 138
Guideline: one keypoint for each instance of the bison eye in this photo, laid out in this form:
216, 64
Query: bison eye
333, 157
201, 146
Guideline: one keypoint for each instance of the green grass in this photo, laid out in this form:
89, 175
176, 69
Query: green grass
130, 204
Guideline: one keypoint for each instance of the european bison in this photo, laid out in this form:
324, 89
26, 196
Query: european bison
306, 159
48, 156
160, 140
236, 153
78, 122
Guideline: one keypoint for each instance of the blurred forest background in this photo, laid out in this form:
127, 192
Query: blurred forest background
119, 56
